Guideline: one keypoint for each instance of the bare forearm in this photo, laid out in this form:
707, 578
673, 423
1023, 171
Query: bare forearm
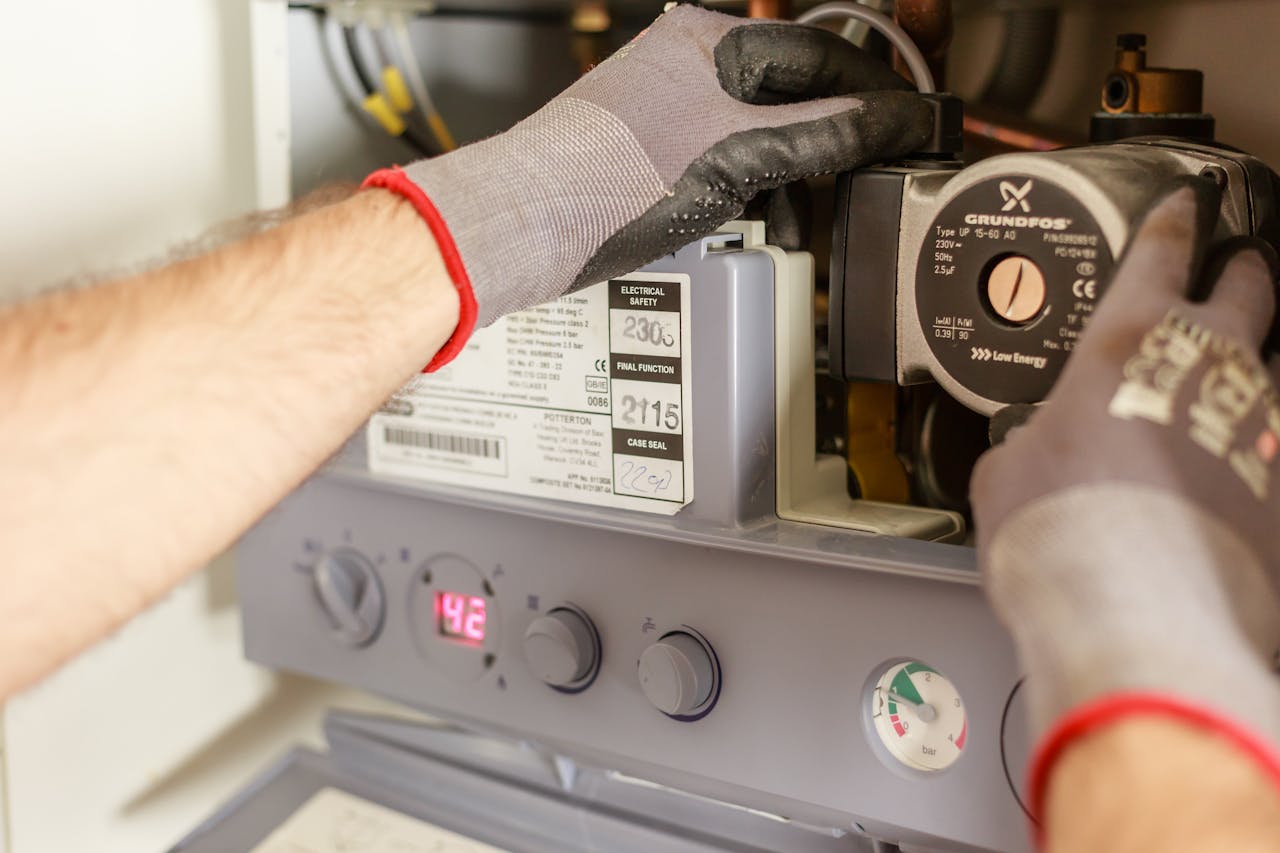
144, 424
1151, 784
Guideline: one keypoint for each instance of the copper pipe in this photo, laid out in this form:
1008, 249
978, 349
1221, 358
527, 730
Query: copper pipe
930, 25
989, 128
776, 9
1010, 137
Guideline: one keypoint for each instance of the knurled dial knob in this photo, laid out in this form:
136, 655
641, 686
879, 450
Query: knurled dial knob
560, 647
677, 674
350, 595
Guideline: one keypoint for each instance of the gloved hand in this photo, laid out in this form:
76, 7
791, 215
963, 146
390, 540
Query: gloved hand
1128, 533
658, 145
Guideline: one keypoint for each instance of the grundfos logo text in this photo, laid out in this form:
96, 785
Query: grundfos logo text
1044, 223
1015, 197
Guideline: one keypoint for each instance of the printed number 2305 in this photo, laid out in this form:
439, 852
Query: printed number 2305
648, 331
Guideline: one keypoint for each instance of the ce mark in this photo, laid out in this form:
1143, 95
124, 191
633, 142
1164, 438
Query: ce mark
1085, 288
602, 365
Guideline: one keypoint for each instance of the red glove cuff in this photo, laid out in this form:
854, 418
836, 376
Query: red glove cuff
1115, 707
398, 182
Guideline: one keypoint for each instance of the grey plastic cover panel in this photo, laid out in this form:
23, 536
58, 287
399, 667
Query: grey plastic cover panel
803, 618
492, 792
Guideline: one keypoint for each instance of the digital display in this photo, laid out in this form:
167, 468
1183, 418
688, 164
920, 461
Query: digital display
460, 617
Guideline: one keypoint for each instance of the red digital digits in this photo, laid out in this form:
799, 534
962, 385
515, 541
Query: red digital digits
462, 617
473, 627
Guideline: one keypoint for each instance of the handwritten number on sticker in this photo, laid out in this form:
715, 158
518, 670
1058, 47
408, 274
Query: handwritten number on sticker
639, 478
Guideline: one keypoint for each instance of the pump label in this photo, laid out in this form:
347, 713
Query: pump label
1009, 359
583, 399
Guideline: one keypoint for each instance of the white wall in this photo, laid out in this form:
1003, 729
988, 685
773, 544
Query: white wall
127, 127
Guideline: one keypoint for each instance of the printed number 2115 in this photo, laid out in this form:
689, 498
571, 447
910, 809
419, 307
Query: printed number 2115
645, 412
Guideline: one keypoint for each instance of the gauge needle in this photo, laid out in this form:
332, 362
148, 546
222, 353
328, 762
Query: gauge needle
1017, 282
926, 713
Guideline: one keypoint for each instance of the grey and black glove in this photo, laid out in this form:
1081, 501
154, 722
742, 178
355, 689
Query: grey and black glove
660, 144
1129, 533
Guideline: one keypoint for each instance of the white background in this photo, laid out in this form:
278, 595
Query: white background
128, 128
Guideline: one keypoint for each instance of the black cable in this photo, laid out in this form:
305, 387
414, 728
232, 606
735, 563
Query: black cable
353, 51
1004, 756
1025, 58
425, 147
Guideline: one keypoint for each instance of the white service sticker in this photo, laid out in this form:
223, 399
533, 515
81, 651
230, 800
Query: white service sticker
333, 821
583, 399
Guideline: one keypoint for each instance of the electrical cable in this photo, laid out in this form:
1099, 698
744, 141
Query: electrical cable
393, 84
1026, 54
381, 46
404, 47
883, 24
351, 40
856, 30
375, 104
345, 76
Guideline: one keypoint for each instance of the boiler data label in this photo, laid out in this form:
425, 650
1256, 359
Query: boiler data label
584, 399
334, 821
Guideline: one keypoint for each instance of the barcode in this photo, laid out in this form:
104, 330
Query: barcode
465, 445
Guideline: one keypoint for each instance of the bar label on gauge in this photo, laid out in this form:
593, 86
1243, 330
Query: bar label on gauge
584, 399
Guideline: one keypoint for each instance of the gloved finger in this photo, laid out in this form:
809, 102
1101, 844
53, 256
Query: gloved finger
1167, 248
796, 141
773, 63
1242, 302
1008, 419
787, 213
757, 156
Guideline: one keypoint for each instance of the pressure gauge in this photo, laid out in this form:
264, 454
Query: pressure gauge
919, 716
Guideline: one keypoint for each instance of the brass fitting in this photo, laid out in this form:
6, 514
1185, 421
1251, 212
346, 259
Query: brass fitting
1132, 87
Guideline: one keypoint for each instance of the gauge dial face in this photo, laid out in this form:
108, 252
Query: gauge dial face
919, 716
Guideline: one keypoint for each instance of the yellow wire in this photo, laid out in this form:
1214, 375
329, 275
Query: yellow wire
441, 131
377, 106
397, 92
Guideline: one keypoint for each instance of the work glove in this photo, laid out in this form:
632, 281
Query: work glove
658, 145
1129, 533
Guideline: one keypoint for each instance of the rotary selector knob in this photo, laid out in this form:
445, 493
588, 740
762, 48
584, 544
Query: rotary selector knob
562, 648
679, 674
350, 595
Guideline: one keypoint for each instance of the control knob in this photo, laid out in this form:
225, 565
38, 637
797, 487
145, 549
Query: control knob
679, 674
350, 595
562, 648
